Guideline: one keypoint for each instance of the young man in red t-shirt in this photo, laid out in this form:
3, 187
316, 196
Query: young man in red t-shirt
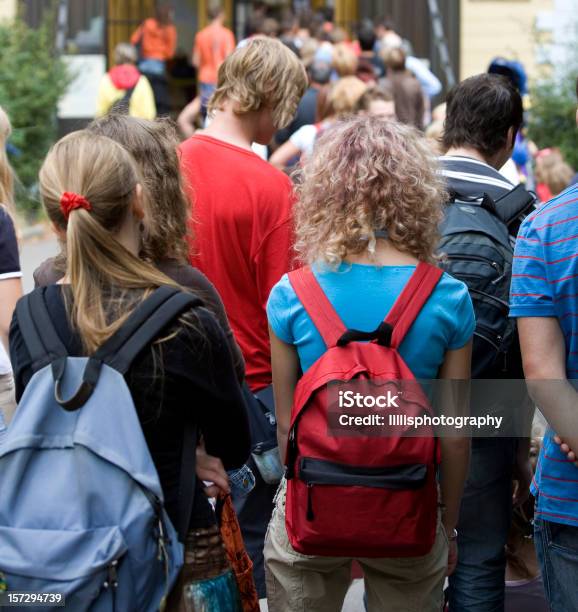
242, 222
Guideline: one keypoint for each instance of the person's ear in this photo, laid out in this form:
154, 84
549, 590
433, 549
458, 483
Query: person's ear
138, 203
512, 138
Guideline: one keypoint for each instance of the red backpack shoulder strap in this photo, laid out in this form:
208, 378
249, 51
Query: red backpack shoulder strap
317, 306
411, 300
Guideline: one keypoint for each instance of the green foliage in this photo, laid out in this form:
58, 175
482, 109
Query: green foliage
553, 115
32, 80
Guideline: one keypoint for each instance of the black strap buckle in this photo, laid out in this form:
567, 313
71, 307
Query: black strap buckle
381, 335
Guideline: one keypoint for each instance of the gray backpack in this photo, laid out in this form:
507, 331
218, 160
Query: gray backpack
81, 510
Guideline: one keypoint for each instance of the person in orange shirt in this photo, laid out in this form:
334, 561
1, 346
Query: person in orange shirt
212, 45
156, 41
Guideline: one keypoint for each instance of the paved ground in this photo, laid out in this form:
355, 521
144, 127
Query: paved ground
32, 254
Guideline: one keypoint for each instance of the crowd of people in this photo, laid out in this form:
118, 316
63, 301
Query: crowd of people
217, 276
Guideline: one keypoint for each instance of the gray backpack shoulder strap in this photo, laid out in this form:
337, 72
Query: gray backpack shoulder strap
37, 329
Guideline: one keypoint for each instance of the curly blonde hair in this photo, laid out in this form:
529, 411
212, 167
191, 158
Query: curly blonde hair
368, 175
262, 73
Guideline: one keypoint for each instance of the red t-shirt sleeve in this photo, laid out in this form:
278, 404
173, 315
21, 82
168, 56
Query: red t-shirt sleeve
275, 255
274, 258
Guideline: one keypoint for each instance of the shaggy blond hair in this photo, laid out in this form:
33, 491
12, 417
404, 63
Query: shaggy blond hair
367, 175
263, 73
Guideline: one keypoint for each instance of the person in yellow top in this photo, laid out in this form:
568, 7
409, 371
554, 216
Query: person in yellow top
124, 89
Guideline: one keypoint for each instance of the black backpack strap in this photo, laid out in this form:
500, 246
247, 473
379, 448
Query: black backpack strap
37, 329
122, 105
187, 480
144, 325
519, 201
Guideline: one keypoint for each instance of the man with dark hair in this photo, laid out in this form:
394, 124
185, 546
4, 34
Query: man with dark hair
484, 114
543, 301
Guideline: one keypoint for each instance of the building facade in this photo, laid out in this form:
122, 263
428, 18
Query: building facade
514, 29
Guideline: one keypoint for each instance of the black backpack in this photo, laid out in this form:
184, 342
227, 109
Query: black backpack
122, 106
478, 250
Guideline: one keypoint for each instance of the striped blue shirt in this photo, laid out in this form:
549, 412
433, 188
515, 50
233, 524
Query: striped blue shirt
545, 284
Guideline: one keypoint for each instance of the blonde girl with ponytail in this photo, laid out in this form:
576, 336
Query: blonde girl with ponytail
153, 144
93, 194
10, 274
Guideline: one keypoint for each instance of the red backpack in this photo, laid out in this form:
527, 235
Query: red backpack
360, 495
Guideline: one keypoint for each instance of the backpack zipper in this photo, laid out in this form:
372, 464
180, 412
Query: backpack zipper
321, 472
479, 259
490, 297
163, 557
112, 581
484, 336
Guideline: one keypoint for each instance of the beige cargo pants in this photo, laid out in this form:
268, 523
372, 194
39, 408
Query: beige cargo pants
299, 583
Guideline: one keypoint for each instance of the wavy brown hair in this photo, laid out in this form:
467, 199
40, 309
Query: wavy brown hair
153, 145
367, 175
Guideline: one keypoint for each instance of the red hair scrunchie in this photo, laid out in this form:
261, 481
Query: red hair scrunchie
71, 201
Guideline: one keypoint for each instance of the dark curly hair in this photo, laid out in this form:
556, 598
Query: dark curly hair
480, 112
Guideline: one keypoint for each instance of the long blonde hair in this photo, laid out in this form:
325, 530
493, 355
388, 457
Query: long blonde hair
6, 172
107, 281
